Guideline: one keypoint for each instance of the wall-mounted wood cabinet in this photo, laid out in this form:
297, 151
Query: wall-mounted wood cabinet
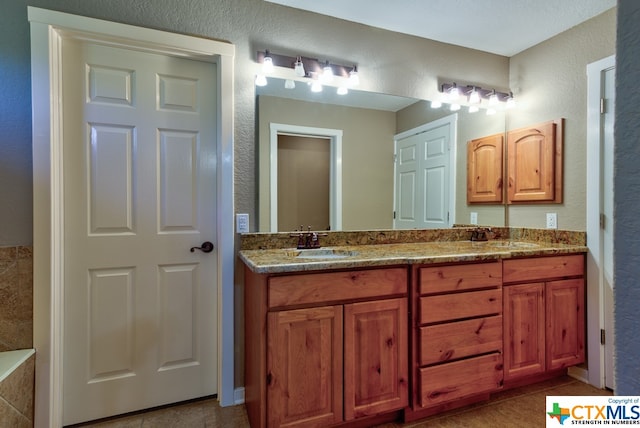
534, 166
485, 169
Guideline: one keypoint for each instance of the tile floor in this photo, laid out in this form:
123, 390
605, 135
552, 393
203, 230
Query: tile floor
521, 408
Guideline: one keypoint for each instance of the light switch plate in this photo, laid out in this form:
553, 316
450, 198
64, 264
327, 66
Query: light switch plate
242, 223
552, 220
474, 218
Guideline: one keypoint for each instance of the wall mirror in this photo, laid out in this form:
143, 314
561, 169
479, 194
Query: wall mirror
341, 174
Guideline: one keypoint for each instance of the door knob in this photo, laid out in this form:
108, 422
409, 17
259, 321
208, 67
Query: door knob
206, 247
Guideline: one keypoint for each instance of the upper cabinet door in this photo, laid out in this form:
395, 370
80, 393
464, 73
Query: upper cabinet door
484, 169
535, 163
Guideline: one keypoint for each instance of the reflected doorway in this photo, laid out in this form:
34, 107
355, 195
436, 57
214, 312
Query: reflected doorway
303, 182
334, 139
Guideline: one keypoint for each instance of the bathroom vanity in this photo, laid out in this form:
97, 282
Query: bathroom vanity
361, 334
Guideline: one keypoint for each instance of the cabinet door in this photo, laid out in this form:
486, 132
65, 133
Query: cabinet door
376, 357
484, 169
532, 163
524, 330
565, 323
304, 367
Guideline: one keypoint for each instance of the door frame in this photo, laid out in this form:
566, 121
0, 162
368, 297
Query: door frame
335, 169
48, 28
595, 374
452, 121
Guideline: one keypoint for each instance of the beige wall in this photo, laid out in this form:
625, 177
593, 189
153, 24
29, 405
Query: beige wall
550, 81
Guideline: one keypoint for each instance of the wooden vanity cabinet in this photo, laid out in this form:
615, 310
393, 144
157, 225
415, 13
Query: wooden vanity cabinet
325, 348
544, 325
457, 355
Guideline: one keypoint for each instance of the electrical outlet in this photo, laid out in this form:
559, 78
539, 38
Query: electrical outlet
242, 223
474, 218
552, 221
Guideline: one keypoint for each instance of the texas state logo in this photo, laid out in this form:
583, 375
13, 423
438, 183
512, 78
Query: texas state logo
559, 413
592, 410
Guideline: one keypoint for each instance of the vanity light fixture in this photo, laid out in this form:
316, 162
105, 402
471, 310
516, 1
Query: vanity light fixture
474, 96
309, 68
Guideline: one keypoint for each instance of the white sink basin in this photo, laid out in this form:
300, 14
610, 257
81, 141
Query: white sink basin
322, 253
512, 244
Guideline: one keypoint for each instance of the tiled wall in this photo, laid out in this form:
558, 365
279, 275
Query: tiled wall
16, 298
16, 396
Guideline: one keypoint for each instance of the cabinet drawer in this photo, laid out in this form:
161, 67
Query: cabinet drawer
541, 268
459, 277
455, 340
459, 379
460, 305
335, 286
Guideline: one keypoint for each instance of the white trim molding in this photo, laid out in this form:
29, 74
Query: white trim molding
48, 28
595, 271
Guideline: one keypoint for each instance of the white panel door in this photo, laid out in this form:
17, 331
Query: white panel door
608, 189
422, 179
139, 191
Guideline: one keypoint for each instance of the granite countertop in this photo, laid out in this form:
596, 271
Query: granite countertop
283, 260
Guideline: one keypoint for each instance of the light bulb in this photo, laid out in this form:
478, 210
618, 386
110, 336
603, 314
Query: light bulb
299, 68
289, 84
267, 64
436, 104
261, 80
454, 92
354, 78
474, 97
473, 109
327, 74
316, 86
493, 99
342, 90
454, 107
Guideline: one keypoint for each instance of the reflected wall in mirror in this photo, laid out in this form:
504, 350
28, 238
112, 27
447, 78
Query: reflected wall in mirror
365, 176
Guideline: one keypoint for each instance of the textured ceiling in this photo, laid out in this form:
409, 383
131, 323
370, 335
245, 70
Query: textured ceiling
503, 27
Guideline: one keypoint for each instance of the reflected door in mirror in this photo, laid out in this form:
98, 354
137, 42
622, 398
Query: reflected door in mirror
303, 182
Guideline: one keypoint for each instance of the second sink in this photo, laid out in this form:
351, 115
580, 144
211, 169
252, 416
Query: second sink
322, 253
